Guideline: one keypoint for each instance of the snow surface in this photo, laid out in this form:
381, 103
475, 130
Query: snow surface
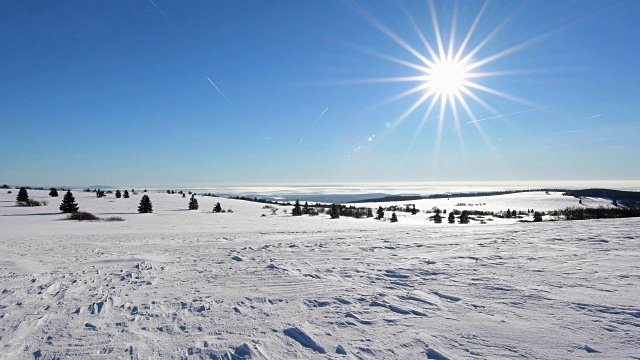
193, 284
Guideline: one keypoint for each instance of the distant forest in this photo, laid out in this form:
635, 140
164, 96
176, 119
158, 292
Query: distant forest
628, 196
453, 195
619, 195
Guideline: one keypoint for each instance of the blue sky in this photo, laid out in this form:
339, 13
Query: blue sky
116, 92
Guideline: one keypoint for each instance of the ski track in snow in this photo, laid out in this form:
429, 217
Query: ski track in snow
179, 284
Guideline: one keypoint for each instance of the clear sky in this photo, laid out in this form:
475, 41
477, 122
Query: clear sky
122, 92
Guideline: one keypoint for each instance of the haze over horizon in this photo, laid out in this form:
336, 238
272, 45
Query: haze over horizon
326, 92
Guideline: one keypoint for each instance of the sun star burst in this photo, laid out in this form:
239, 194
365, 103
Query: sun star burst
449, 74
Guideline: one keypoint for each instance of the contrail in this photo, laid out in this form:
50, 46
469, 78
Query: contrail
156, 6
515, 113
325, 110
595, 116
214, 85
267, 138
299, 143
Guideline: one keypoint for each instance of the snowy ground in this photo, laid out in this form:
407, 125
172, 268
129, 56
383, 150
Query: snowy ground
179, 283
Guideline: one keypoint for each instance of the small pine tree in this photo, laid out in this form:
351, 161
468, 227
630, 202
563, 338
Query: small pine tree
414, 210
335, 214
380, 213
68, 204
464, 217
369, 213
193, 203
126, 194
53, 192
296, 209
118, 194
452, 218
305, 208
23, 196
394, 218
615, 202
217, 208
184, 195
437, 218
145, 205
100, 193
537, 217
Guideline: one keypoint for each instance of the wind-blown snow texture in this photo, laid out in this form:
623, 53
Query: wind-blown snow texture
193, 284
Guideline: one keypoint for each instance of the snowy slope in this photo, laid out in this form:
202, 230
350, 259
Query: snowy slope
179, 283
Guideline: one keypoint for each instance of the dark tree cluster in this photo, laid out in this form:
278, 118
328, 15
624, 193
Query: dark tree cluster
68, 204
23, 195
53, 192
297, 211
601, 212
145, 205
193, 203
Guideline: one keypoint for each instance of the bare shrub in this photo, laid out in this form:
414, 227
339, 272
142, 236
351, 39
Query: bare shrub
82, 215
113, 218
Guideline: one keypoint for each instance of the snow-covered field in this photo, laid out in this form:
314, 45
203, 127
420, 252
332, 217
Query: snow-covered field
180, 283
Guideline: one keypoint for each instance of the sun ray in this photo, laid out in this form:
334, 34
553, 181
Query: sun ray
420, 34
409, 111
385, 30
396, 60
436, 29
463, 150
425, 118
452, 36
472, 29
416, 78
499, 93
477, 99
484, 42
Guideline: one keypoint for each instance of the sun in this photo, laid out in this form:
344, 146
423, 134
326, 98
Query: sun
449, 72
446, 77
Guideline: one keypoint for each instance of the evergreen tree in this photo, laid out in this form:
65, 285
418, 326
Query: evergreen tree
118, 194
437, 218
23, 196
217, 208
53, 192
184, 195
537, 217
369, 213
452, 218
126, 194
193, 203
100, 193
414, 210
615, 202
296, 209
380, 213
168, 191
305, 209
394, 218
68, 204
335, 214
464, 217
145, 205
